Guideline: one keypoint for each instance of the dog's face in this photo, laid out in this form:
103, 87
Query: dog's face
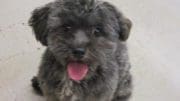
80, 33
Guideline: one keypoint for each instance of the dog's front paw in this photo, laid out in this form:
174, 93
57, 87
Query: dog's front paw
35, 85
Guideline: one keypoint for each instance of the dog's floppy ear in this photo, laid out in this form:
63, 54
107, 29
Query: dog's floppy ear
38, 22
124, 24
125, 27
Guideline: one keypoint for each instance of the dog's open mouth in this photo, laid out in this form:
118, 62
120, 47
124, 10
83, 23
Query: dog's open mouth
77, 71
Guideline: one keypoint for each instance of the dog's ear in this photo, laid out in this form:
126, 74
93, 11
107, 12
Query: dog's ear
38, 22
124, 24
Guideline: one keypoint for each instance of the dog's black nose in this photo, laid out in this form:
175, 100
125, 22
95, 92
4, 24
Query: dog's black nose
78, 52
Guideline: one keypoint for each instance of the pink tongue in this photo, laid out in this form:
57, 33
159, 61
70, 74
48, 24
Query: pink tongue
77, 71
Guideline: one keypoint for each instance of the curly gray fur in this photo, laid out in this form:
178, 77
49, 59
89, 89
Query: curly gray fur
100, 29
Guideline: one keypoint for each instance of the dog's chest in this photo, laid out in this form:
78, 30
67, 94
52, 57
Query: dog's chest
67, 92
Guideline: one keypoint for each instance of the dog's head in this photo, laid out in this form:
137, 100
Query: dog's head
82, 34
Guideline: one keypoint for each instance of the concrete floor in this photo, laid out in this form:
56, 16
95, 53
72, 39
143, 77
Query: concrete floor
154, 48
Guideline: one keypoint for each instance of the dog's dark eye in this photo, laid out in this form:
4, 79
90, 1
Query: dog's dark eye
97, 31
66, 28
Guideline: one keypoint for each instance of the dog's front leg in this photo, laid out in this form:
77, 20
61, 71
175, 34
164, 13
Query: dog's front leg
122, 98
124, 90
51, 98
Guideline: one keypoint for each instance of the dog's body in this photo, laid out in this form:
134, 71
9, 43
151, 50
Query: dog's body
86, 57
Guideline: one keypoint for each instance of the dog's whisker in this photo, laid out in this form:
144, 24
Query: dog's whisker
92, 54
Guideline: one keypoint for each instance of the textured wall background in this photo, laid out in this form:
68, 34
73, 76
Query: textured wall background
154, 48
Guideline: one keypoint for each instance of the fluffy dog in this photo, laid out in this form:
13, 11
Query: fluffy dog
86, 57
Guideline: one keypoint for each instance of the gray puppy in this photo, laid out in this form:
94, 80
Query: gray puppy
86, 57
